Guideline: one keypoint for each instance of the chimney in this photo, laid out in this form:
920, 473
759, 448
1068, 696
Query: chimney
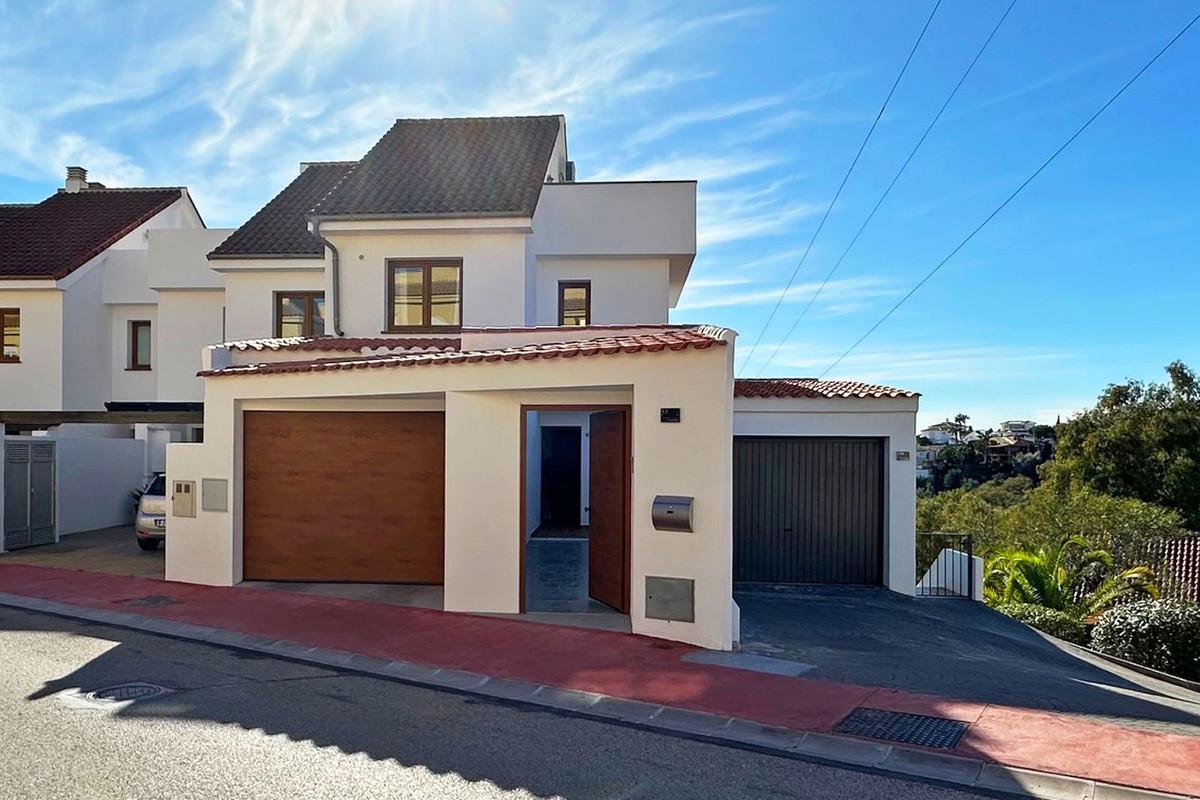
76, 179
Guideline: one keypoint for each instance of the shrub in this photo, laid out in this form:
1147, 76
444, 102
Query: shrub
1047, 620
1164, 635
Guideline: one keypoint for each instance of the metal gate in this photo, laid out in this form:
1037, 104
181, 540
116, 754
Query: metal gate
808, 509
28, 494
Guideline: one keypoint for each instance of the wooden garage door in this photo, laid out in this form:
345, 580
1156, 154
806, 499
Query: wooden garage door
343, 496
807, 509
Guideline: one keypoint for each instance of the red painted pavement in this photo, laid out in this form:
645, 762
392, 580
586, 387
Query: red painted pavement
634, 667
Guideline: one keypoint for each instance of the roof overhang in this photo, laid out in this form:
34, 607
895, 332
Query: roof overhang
430, 223
178, 414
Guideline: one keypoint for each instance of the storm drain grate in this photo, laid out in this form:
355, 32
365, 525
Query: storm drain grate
150, 600
126, 692
894, 726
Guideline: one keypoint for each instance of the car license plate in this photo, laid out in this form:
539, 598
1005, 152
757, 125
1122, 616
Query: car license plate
160, 522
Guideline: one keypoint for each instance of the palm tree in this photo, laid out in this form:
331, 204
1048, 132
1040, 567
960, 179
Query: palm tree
1066, 577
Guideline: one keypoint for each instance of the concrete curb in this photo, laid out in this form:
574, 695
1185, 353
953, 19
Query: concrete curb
824, 748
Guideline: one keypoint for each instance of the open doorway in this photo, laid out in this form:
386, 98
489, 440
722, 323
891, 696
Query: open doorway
576, 487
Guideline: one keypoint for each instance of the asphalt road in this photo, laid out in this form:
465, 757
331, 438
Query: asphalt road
237, 725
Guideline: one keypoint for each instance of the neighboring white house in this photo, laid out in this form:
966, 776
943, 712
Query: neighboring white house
448, 356
83, 351
942, 433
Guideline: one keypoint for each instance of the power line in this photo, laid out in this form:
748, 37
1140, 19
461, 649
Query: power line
842, 186
1013, 196
889, 188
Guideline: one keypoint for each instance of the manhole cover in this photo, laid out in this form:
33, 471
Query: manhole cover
150, 600
126, 693
894, 726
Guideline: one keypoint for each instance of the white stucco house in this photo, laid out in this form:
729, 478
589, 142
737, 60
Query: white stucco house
450, 363
90, 352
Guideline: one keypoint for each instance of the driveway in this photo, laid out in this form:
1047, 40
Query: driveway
954, 648
111, 550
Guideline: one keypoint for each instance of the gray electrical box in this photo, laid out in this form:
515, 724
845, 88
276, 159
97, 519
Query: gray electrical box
672, 599
214, 494
672, 513
183, 498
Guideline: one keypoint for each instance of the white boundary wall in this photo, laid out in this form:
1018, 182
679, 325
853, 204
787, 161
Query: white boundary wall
95, 477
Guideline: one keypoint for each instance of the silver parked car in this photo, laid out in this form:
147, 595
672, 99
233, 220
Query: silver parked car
151, 522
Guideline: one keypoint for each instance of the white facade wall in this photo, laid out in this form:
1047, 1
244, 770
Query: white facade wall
250, 295
129, 384
892, 419
86, 350
650, 219
624, 290
484, 526
95, 478
36, 383
188, 321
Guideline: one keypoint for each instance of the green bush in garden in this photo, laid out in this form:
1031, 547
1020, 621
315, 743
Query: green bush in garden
1162, 634
1048, 620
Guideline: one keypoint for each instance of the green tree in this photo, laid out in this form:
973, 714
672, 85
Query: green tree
1141, 440
1066, 576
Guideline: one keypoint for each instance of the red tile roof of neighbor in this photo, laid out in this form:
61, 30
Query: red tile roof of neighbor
813, 388
349, 343
59, 235
696, 338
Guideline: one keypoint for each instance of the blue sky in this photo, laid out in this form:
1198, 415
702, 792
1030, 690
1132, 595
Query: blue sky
1089, 277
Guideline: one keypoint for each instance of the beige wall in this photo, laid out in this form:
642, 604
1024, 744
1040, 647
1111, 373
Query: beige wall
35, 384
484, 528
493, 274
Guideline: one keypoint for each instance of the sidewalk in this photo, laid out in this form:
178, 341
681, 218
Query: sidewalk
627, 667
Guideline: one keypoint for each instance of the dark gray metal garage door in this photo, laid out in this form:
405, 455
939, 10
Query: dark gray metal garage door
807, 509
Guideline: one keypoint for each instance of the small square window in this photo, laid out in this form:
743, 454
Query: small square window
574, 303
424, 295
299, 314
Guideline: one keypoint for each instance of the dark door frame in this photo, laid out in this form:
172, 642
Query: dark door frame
627, 410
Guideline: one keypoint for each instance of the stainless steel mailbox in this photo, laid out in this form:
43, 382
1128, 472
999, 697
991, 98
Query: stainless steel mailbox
672, 513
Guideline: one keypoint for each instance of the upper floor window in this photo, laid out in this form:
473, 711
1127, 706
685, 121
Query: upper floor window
139, 344
424, 294
10, 328
299, 313
574, 302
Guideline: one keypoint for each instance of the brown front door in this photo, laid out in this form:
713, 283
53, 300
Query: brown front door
343, 496
608, 539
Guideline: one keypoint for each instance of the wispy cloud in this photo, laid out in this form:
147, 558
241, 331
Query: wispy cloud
843, 295
674, 122
909, 364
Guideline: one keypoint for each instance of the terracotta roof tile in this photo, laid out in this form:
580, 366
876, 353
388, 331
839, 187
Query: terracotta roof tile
280, 228
813, 388
697, 338
483, 166
59, 235
348, 343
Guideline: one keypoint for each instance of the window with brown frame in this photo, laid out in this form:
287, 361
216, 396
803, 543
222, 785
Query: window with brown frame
574, 303
423, 295
139, 344
10, 330
299, 313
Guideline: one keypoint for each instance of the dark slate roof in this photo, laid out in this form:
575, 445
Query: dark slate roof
280, 229
483, 166
63, 232
10, 210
